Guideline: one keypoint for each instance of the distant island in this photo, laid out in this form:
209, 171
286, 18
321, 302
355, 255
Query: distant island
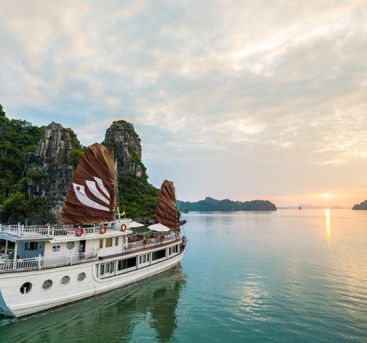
361, 207
311, 207
210, 204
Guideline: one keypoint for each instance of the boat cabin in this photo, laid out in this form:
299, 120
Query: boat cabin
36, 247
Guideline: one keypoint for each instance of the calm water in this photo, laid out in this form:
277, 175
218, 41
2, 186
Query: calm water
296, 276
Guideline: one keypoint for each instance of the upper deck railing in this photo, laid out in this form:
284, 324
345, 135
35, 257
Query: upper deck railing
150, 242
42, 262
46, 231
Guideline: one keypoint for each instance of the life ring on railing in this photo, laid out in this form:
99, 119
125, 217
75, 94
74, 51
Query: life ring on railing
79, 231
102, 229
123, 227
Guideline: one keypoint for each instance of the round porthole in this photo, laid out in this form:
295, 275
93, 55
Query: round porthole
70, 245
65, 280
26, 288
47, 284
81, 276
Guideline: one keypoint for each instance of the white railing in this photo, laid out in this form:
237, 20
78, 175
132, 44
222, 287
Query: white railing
33, 231
150, 242
44, 262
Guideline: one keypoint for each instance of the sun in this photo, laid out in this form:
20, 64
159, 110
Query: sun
326, 196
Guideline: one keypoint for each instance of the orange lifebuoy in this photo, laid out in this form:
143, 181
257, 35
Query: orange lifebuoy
102, 229
123, 227
79, 231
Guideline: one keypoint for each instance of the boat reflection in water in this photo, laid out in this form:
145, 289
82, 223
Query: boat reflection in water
130, 312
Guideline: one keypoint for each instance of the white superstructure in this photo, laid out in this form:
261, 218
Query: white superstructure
43, 267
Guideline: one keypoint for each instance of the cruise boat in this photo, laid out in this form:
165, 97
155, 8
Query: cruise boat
92, 251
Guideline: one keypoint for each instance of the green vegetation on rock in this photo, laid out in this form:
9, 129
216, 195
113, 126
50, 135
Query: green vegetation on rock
17, 139
137, 197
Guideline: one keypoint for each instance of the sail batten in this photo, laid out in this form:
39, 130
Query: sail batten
166, 212
91, 194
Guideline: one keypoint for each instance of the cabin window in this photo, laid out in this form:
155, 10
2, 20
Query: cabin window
108, 242
70, 245
175, 249
128, 263
156, 255
31, 246
116, 241
169, 251
101, 243
65, 280
26, 288
47, 284
143, 258
81, 276
55, 248
110, 267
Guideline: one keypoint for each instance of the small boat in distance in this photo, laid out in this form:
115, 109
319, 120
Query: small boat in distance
92, 251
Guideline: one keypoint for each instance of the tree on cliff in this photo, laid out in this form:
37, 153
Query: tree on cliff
2, 113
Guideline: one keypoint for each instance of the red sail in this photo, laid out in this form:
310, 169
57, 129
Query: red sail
91, 194
166, 212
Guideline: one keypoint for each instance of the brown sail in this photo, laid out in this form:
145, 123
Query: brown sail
166, 212
91, 194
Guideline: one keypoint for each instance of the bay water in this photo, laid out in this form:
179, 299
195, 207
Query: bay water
284, 276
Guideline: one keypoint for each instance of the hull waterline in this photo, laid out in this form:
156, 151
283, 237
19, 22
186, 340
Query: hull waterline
15, 304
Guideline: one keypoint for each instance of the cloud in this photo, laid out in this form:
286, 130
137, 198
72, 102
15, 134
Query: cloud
219, 91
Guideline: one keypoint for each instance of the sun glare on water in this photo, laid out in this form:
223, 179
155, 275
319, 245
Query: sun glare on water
327, 224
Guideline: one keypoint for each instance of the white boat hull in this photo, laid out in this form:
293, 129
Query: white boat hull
14, 303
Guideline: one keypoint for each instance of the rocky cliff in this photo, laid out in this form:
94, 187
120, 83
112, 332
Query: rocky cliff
125, 143
49, 168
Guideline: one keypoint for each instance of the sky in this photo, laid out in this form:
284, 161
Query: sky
231, 99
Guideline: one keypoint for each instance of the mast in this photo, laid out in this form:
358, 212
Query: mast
117, 205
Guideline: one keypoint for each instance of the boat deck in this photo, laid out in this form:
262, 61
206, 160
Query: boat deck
40, 262
47, 232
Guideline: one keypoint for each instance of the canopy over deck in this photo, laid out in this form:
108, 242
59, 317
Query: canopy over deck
159, 228
134, 224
